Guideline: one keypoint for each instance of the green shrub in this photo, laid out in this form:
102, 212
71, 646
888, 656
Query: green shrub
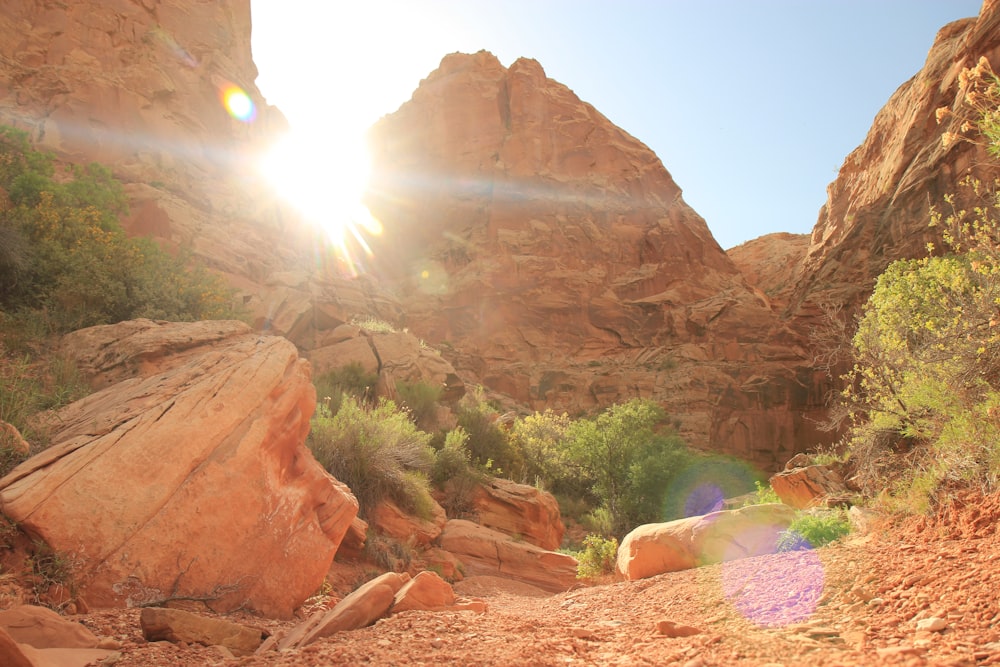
542, 439
489, 445
811, 531
64, 253
627, 460
377, 451
599, 557
763, 495
351, 379
421, 399
454, 473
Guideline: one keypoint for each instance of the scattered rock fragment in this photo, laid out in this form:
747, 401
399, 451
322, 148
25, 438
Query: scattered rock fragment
175, 625
932, 624
668, 628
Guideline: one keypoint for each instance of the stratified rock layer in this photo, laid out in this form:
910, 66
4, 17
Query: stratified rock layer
189, 478
554, 257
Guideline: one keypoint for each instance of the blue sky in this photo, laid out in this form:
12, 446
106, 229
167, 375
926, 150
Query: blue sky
752, 105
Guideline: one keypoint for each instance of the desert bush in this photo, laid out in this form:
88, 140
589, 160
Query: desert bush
598, 558
388, 553
421, 399
542, 440
351, 379
489, 444
812, 530
454, 473
628, 461
64, 253
377, 451
763, 495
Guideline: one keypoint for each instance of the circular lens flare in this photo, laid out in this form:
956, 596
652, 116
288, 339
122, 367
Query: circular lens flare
238, 104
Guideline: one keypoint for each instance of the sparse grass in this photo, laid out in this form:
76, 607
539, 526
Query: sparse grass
763, 495
813, 530
373, 324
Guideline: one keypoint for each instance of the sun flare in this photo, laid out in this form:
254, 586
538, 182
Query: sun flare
325, 180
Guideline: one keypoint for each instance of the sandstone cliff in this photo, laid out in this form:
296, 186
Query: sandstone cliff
548, 254
553, 257
877, 209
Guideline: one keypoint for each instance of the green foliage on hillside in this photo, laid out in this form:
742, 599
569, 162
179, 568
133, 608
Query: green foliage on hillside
628, 460
66, 263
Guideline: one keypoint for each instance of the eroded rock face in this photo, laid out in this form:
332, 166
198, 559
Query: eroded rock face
489, 552
877, 210
555, 256
519, 510
189, 477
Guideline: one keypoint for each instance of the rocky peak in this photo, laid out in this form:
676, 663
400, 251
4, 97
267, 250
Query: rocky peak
553, 257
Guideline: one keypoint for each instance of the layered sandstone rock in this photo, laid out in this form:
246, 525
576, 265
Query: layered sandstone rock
488, 552
808, 486
188, 476
519, 510
389, 519
555, 257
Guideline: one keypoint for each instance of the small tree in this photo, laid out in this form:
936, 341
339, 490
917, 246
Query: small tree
628, 462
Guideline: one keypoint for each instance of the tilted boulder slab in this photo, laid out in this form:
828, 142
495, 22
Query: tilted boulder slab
487, 552
193, 481
359, 609
657, 548
519, 510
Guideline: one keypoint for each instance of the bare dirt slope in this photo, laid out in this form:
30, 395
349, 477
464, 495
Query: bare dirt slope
859, 603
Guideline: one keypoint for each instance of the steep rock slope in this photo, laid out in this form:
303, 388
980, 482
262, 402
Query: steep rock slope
553, 257
877, 209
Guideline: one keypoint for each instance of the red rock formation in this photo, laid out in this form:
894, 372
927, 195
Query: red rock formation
488, 552
556, 258
190, 477
877, 208
519, 510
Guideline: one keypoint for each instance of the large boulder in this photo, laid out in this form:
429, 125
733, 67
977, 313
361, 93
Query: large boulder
488, 552
519, 510
190, 478
656, 548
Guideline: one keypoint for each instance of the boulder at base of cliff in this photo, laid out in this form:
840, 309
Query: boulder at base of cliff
656, 548
189, 476
487, 552
521, 510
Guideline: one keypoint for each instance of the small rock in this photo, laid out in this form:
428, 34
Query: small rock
109, 643
582, 633
932, 624
673, 629
437, 643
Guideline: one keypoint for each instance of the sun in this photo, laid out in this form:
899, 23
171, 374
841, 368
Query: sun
325, 179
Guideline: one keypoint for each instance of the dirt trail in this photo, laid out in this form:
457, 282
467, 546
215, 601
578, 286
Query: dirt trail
857, 603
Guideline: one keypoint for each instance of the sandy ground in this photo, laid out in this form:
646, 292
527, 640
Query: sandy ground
862, 602
856, 603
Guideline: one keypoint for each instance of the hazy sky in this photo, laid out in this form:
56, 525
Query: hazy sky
752, 105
